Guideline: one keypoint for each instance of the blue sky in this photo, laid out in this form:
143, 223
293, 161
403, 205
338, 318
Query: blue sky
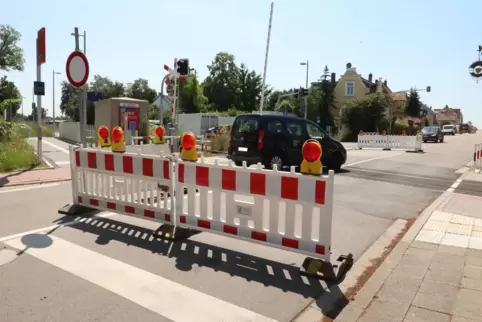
409, 43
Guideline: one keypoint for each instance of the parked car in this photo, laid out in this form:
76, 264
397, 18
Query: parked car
278, 139
464, 128
449, 129
432, 133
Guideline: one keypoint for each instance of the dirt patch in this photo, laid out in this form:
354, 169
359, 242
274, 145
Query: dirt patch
351, 292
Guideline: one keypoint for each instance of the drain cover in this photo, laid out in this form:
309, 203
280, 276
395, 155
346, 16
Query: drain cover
7, 256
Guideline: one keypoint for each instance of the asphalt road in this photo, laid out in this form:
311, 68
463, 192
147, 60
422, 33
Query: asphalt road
112, 269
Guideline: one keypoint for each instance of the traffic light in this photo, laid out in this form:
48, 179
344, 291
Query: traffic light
183, 66
103, 139
302, 92
311, 152
429, 88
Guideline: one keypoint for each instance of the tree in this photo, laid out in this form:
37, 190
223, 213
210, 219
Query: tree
140, 89
69, 101
9, 96
191, 95
250, 87
11, 56
222, 84
322, 100
33, 116
414, 104
326, 74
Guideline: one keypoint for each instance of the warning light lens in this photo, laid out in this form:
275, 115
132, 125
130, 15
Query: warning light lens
159, 131
311, 151
116, 135
104, 132
188, 141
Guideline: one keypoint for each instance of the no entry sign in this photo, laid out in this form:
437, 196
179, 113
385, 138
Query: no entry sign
77, 69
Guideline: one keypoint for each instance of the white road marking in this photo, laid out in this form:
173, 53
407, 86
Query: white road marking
48, 163
454, 185
62, 162
36, 186
160, 295
61, 149
75, 220
373, 159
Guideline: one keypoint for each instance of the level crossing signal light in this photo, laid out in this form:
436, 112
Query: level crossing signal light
118, 140
103, 137
429, 89
188, 147
183, 66
159, 134
312, 153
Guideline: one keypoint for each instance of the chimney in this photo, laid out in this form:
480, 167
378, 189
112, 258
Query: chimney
333, 78
370, 77
385, 82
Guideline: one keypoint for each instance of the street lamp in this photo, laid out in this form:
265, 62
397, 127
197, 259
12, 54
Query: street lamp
53, 96
307, 64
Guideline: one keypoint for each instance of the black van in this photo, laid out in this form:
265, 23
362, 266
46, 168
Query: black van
276, 139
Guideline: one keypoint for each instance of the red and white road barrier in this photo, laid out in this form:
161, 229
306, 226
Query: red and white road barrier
285, 210
477, 158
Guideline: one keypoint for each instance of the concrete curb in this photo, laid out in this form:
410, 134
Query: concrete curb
364, 297
330, 300
26, 183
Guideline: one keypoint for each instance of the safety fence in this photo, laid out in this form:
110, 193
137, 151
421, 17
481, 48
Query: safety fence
286, 210
388, 142
477, 158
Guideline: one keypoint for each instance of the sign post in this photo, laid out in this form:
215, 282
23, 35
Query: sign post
41, 59
77, 71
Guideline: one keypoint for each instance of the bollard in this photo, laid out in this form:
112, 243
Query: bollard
361, 132
384, 132
312, 153
159, 134
103, 138
404, 133
188, 147
118, 140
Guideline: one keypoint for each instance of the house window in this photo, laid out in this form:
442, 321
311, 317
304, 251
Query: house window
350, 89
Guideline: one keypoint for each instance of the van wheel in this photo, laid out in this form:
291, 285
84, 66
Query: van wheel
335, 162
274, 160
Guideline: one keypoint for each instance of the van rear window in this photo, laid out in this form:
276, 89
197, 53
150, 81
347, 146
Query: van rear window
246, 124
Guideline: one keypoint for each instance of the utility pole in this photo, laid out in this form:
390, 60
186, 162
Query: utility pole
307, 64
81, 105
261, 103
53, 97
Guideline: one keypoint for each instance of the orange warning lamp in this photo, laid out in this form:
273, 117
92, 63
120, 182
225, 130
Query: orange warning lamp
312, 153
188, 145
384, 132
103, 137
118, 140
361, 132
404, 133
159, 134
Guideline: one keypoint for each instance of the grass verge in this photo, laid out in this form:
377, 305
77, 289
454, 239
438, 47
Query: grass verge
16, 155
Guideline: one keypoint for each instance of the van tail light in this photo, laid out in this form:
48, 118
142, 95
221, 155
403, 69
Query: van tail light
261, 139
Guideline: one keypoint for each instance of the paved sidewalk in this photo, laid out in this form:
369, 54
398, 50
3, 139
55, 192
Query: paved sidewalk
436, 276
34, 176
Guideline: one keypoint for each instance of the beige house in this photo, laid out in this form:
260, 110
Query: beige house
352, 86
448, 115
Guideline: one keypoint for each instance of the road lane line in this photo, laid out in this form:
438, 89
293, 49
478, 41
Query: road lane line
75, 220
34, 186
373, 159
62, 162
61, 149
160, 295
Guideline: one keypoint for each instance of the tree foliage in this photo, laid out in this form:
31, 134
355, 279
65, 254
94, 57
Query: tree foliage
414, 104
9, 96
11, 55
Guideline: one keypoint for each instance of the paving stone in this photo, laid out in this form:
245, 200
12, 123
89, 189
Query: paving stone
449, 258
424, 245
458, 318
436, 296
471, 283
468, 304
385, 311
452, 250
402, 279
350, 313
473, 272
417, 314
474, 258
477, 253
446, 273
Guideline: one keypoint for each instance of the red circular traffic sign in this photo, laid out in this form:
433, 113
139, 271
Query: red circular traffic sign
77, 69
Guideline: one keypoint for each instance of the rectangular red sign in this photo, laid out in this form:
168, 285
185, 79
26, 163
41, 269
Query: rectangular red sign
41, 50
132, 116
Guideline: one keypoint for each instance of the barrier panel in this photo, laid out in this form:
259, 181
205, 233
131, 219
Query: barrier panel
130, 184
286, 210
389, 142
477, 158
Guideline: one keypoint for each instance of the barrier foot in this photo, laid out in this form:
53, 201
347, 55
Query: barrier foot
171, 232
74, 210
313, 267
387, 149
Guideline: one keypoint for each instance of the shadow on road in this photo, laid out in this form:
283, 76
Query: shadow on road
188, 253
4, 180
